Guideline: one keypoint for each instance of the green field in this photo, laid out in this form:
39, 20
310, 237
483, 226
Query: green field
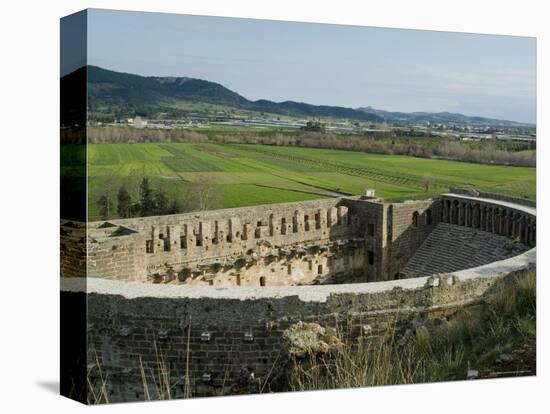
257, 174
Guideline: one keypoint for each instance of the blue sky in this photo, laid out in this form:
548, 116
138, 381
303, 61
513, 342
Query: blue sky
392, 69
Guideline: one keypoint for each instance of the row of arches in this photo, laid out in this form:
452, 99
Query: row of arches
509, 222
427, 218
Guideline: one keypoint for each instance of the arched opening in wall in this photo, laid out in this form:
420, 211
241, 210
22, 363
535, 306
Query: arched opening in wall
258, 232
238, 279
183, 242
415, 219
283, 225
477, 217
262, 281
396, 276
215, 239
454, 213
389, 225
271, 225
483, 218
165, 242
428, 216
517, 226
504, 223
462, 214
295, 222
496, 221
510, 220
320, 269
489, 220
306, 222
289, 269
199, 241
318, 220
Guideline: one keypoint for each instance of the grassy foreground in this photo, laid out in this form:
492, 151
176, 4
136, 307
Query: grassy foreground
247, 174
496, 340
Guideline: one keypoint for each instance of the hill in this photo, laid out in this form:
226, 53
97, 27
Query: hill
128, 94
439, 118
114, 94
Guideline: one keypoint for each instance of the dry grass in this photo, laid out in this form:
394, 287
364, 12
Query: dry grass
97, 389
433, 352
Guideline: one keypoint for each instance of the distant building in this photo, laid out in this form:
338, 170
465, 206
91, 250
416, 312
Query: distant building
139, 122
368, 193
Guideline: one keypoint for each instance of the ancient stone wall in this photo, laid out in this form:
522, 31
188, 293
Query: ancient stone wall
321, 241
472, 192
473, 230
372, 227
113, 257
279, 244
407, 226
73, 249
232, 340
229, 341
514, 221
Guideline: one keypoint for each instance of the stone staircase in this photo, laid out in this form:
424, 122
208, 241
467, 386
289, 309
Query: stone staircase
449, 248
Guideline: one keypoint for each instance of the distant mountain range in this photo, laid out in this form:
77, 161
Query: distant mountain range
128, 93
439, 118
124, 89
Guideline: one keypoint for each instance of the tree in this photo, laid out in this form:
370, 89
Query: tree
108, 184
146, 200
162, 204
124, 202
104, 204
314, 126
204, 193
427, 182
174, 208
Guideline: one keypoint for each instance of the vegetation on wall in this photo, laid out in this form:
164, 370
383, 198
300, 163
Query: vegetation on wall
490, 341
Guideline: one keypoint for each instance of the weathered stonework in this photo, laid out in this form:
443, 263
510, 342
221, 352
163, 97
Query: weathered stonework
234, 339
282, 244
320, 241
208, 338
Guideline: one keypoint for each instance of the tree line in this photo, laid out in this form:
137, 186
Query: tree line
486, 153
153, 200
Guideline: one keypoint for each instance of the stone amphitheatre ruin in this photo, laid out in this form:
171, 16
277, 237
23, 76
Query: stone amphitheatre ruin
214, 292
